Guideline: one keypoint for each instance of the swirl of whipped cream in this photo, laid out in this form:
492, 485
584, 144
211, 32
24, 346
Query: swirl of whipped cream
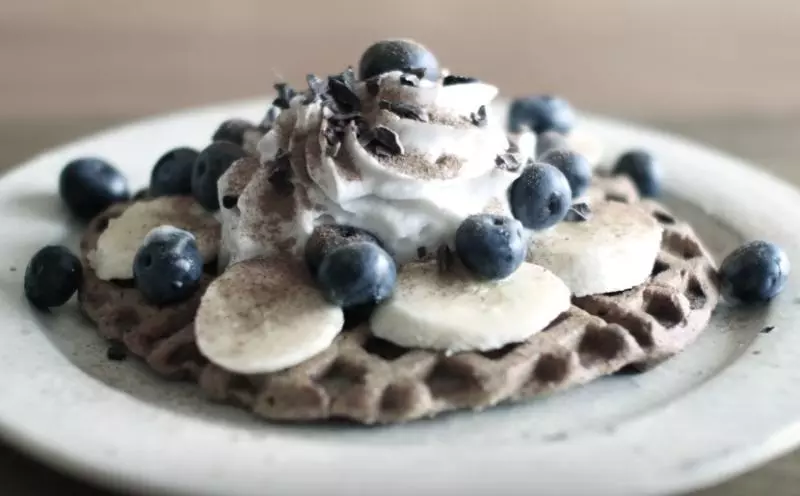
402, 157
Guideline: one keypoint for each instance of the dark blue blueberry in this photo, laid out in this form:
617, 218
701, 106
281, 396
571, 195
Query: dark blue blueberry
234, 130
356, 274
394, 55
52, 277
550, 140
541, 114
643, 169
540, 197
172, 174
328, 237
490, 246
90, 185
574, 167
754, 273
212, 162
168, 266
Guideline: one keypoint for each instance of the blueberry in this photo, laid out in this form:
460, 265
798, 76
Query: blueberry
357, 273
550, 140
328, 237
172, 174
394, 55
541, 114
52, 277
643, 169
490, 246
540, 197
90, 185
168, 266
233, 130
212, 162
574, 167
754, 273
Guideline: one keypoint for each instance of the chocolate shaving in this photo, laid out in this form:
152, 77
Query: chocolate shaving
405, 110
316, 88
372, 85
229, 201
507, 161
453, 79
445, 259
285, 95
419, 72
280, 174
479, 118
341, 89
388, 139
409, 80
580, 212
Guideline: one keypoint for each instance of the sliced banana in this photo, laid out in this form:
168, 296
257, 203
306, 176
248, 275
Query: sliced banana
118, 244
454, 312
613, 250
587, 144
264, 315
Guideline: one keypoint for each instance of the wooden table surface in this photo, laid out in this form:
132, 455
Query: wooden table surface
724, 72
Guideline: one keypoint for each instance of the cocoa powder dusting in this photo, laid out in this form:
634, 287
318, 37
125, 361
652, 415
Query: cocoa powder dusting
415, 164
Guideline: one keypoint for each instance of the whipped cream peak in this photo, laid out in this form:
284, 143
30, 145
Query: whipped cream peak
397, 155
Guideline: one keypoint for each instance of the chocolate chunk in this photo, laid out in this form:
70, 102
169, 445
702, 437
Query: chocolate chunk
344, 95
409, 80
445, 258
280, 174
285, 95
372, 85
229, 201
580, 212
405, 110
418, 72
453, 79
507, 161
316, 88
388, 139
767, 329
479, 118
116, 352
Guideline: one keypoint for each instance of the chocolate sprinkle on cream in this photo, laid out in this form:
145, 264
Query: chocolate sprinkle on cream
388, 139
316, 88
405, 110
580, 212
415, 71
229, 201
343, 94
280, 174
452, 79
479, 118
372, 85
507, 161
285, 95
445, 259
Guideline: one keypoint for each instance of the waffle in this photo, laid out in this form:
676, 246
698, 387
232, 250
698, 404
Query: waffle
368, 380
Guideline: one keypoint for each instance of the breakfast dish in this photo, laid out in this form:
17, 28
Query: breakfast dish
379, 249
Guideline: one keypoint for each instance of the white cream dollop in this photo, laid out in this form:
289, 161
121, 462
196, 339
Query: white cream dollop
447, 168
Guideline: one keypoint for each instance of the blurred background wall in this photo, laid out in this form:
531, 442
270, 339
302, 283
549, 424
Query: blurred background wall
652, 59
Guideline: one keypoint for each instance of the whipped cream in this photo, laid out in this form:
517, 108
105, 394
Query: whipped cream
408, 162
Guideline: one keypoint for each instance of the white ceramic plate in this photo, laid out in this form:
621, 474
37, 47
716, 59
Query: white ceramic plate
724, 405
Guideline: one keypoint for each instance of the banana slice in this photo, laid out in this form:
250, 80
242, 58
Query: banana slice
454, 312
264, 315
118, 244
587, 144
613, 250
